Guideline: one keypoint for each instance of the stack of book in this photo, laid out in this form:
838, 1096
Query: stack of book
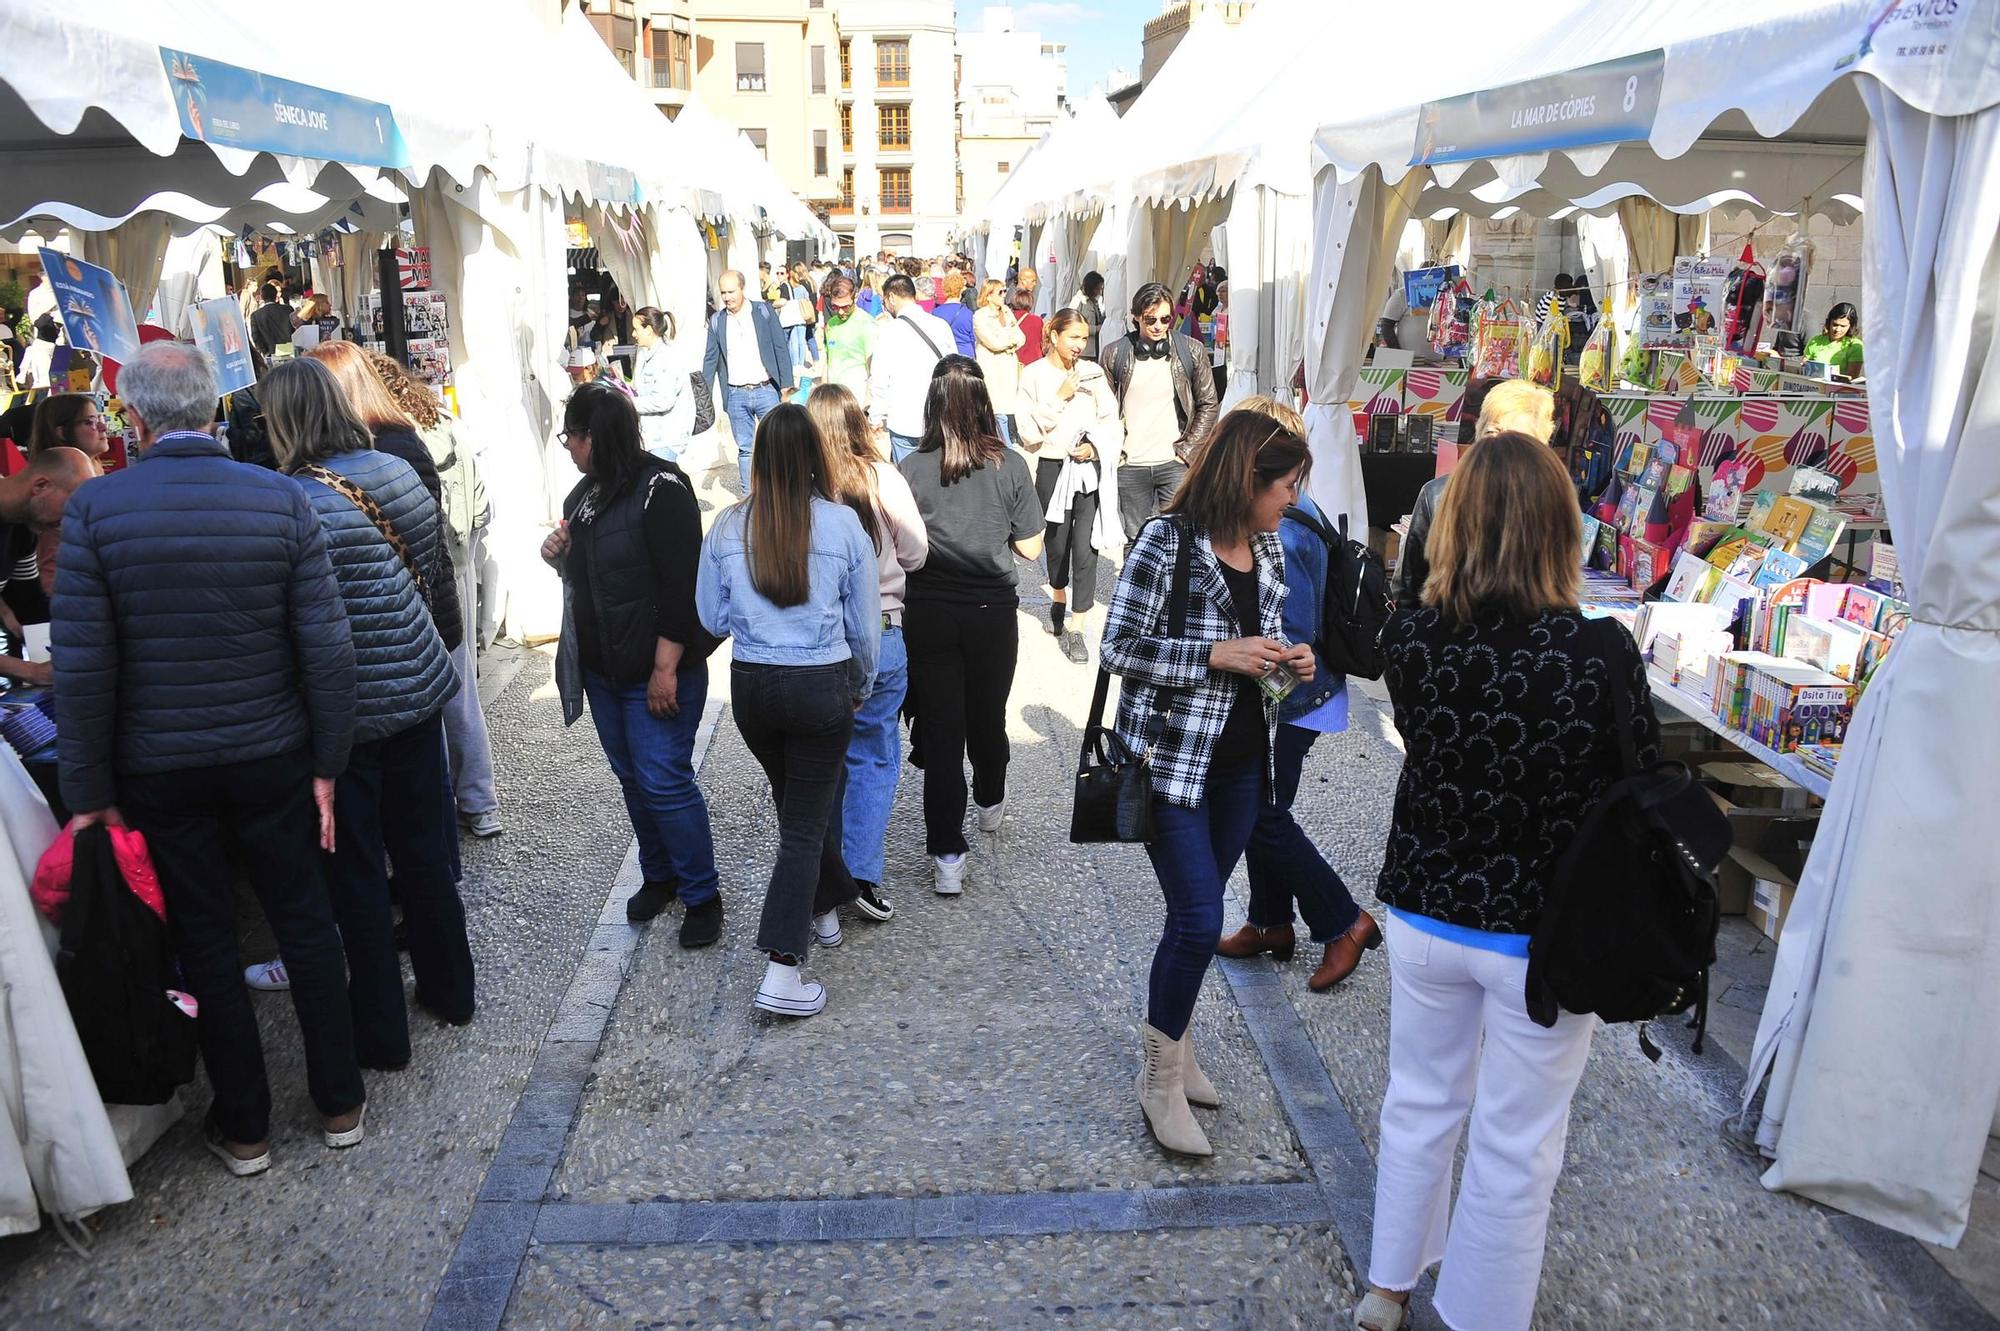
1780, 703
1819, 758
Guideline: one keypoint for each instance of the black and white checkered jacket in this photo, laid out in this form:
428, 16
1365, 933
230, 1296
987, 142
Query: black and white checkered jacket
1150, 663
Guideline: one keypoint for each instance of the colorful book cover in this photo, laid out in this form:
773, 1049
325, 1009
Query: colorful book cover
1649, 564
1822, 533
1726, 551
1591, 527
1776, 569
1628, 508
1655, 475
1861, 607
1703, 533
1692, 579
1760, 509
1787, 520
1628, 431
1607, 545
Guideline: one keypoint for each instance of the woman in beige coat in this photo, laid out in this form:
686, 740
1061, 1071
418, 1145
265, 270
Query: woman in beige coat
999, 338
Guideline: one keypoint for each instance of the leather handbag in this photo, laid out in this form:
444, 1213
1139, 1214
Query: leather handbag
1114, 786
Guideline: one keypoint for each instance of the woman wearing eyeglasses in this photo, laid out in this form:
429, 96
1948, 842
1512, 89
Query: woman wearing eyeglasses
69, 420
1166, 400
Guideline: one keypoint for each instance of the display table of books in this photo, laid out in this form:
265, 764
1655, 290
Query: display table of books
1792, 766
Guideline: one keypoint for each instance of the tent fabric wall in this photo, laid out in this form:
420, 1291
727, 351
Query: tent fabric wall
1179, 232
1356, 224
1270, 235
625, 248
190, 272
1878, 1033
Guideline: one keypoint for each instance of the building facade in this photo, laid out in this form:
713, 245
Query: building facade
898, 121
769, 67
1162, 34
1012, 86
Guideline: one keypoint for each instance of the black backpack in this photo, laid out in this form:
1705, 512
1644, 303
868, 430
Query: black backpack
116, 965
1355, 605
1628, 926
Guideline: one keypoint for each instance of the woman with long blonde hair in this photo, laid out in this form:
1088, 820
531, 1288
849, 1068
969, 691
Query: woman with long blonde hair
858, 477
790, 574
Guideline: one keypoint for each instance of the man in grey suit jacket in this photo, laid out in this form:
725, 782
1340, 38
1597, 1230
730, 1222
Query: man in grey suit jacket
748, 350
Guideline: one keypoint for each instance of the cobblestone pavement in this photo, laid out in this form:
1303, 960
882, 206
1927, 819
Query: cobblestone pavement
620, 1141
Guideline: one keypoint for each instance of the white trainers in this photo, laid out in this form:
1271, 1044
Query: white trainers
989, 819
269, 976
784, 993
948, 874
826, 929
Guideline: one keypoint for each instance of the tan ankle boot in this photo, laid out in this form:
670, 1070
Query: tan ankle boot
1198, 1088
1163, 1097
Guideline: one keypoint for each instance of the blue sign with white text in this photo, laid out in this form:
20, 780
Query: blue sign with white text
1612, 102
220, 331
234, 107
93, 305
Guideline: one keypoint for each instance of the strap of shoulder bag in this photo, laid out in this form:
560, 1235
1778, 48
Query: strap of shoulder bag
918, 329
1615, 639
1177, 608
361, 499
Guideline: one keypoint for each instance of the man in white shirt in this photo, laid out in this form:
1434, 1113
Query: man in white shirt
909, 343
749, 353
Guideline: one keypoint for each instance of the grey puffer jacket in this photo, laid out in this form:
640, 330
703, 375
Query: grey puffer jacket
403, 674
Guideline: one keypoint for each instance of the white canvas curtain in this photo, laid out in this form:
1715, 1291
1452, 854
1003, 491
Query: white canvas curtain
190, 272
625, 249
1178, 235
133, 251
1270, 235
1879, 1030
1356, 224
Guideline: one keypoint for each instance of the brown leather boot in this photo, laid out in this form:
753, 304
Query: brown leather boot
1254, 941
1343, 954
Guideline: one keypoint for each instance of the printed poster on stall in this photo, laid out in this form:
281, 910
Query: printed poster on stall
93, 307
1701, 289
430, 360
220, 331
424, 314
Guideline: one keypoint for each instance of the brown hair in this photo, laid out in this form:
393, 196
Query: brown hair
412, 394
366, 394
1507, 533
848, 452
785, 474
55, 415
1055, 323
1247, 452
307, 415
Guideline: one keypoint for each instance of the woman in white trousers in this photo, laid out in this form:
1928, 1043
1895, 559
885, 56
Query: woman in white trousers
1505, 702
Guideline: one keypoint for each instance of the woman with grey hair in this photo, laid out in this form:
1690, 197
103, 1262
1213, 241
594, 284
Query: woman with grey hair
382, 529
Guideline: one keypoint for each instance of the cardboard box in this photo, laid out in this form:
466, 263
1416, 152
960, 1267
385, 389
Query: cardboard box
1749, 783
1770, 903
1379, 392
1438, 393
1771, 836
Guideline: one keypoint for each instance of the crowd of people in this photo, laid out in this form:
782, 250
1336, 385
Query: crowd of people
320, 727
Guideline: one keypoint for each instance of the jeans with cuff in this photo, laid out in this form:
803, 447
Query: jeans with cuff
1072, 562
1194, 852
1283, 862
875, 761
653, 759
747, 409
796, 721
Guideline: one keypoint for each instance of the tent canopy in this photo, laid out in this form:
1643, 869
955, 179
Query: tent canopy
738, 181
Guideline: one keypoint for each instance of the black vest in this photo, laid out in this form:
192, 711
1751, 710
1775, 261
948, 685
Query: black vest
619, 572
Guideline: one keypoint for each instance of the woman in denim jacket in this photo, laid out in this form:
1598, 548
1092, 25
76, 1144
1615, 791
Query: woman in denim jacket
791, 576
1281, 859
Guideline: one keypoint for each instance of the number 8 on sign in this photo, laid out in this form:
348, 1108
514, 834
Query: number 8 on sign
1631, 92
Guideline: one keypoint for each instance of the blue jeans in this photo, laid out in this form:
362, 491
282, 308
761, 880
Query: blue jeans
1283, 862
746, 410
1006, 424
653, 758
1193, 852
902, 445
875, 761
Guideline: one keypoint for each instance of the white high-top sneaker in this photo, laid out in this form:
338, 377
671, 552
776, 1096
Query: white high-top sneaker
948, 874
990, 819
784, 993
826, 929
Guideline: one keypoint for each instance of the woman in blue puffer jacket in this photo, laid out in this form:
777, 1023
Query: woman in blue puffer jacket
383, 534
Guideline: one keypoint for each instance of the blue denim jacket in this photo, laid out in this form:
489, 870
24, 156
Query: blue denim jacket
840, 620
1305, 579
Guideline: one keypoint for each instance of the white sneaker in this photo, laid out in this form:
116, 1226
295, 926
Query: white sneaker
826, 929
784, 993
989, 819
269, 976
948, 874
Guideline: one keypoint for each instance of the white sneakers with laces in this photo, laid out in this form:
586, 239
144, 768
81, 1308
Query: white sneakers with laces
948, 875
826, 929
784, 993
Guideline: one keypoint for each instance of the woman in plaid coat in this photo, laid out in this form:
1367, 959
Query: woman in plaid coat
1191, 700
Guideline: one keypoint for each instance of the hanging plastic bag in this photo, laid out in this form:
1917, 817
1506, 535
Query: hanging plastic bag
1785, 286
1596, 368
1549, 344
1496, 351
1743, 310
1452, 316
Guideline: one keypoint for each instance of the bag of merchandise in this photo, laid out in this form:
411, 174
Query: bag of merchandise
1596, 368
1785, 287
1451, 319
1743, 309
1549, 343
1496, 343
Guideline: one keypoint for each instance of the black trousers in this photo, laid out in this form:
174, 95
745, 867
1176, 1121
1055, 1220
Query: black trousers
796, 721
393, 804
198, 822
1072, 563
961, 671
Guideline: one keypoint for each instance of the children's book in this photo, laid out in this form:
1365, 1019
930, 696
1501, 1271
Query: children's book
1787, 520
1777, 569
1822, 533
1693, 577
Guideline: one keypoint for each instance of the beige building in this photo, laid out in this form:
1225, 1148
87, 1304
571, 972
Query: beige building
899, 126
1161, 35
770, 68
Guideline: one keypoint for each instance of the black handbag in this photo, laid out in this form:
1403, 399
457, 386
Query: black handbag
1114, 786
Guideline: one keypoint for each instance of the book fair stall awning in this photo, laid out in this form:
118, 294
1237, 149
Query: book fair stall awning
1884, 1076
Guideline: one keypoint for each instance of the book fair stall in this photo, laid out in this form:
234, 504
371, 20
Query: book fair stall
1729, 479
164, 148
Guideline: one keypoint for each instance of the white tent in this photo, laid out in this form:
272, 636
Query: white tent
1878, 1032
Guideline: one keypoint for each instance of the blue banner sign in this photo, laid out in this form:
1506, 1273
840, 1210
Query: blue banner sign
1613, 102
220, 331
1421, 285
234, 107
93, 306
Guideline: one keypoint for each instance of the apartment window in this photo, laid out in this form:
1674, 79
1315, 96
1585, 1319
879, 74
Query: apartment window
893, 128
749, 66
892, 63
847, 189
758, 140
816, 4
670, 59
1003, 168
895, 189
846, 66
847, 128
819, 152
819, 69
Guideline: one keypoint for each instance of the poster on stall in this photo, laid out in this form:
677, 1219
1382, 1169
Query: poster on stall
1701, 289
413, 268
93, 307
220, 331
424, 314
235, 107
430, 360
1656, 311
1421, 285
